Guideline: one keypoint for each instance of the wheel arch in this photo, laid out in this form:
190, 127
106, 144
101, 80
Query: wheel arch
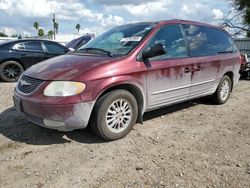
13, 59
135, 90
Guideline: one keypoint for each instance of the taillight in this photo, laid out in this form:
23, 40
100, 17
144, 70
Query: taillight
243, 60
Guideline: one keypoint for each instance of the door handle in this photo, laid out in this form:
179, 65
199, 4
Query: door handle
198, 68
187, 70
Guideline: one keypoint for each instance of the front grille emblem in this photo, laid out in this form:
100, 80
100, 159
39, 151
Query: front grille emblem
24, 83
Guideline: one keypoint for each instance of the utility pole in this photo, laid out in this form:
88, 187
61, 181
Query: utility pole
54, 20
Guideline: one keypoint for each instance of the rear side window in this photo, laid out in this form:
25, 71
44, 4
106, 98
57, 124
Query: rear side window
54, 48
173, 41
205, 41
33, 46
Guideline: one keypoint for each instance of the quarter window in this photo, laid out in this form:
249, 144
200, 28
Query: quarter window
19, 46
173, 41
205, 41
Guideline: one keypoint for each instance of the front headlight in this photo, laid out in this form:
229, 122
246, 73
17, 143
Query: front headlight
63, 88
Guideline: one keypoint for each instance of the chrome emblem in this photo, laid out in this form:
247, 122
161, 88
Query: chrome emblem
24, 83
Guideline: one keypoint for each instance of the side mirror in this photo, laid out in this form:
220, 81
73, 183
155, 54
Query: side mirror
153, 51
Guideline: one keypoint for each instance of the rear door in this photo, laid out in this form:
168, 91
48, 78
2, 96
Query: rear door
168, 76
205, 46
30, 52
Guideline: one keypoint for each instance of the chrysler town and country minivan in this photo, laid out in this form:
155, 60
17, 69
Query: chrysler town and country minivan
131, 69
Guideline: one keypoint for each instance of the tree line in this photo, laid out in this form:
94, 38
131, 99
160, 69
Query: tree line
50, 33
238, 19
41, 32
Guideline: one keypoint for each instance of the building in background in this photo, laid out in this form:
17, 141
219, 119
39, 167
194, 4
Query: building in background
243, 44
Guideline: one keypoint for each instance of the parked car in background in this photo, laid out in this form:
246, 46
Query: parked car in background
245, 66
110, 82
78, 42
16, 56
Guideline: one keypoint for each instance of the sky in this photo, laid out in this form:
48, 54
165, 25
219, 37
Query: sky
96, 16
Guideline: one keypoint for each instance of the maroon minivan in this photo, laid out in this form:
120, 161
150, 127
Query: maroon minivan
110, 82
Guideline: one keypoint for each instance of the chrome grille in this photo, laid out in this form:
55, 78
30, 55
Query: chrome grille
27, 85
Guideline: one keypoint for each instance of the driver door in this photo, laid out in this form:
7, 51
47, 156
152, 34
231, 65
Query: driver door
168, 75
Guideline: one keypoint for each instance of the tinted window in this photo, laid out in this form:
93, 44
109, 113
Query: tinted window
33, 46
205, 41
172, 39
54, 48
19, 46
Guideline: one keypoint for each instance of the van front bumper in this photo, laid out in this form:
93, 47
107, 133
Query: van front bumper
60, 117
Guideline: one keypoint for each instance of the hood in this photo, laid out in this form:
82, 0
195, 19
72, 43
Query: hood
65, 67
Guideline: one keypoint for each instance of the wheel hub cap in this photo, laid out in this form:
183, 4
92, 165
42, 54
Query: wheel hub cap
224, 92
118, 116
11, 71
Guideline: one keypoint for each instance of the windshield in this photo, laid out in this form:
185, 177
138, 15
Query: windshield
119, 40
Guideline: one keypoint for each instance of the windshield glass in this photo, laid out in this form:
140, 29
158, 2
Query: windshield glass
119, 40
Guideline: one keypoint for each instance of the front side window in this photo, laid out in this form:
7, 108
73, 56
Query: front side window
119, 40
206, 41
33, 46
172, 40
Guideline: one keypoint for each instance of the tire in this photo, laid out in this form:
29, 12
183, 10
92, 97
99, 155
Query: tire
111, 122
10, 71
223, 90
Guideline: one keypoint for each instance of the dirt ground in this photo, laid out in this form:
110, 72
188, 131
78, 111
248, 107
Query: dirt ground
195, 144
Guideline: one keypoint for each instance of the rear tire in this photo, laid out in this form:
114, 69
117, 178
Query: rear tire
223, 91
114, 115
10, 71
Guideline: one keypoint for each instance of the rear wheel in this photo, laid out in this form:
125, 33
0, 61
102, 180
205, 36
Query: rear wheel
223, 91
10, 71
114, 115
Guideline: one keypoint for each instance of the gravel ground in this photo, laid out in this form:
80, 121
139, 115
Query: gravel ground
194, 144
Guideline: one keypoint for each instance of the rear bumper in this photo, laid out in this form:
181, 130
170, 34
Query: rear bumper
59, 117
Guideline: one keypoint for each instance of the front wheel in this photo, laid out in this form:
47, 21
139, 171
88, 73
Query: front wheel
114, 115
223, 91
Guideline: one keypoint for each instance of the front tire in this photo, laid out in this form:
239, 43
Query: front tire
114, 115
223, 90
10, 71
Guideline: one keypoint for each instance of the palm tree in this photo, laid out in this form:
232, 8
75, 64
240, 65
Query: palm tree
40, 32
36, 25
56, 25
50, 33
78, 26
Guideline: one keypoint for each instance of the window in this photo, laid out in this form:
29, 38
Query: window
120, 40
172, 39
33, 46
54, 48
19, 46
205, 41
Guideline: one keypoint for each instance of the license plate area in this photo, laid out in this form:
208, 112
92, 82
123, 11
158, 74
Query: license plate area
18, 104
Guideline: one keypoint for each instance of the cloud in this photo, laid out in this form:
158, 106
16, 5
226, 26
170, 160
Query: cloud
99, 15
8, 30
218, 14
122, 2
146, 9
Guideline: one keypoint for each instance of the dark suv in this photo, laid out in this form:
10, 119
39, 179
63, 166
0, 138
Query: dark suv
18, 55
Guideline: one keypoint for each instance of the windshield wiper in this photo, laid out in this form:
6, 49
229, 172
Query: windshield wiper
96, 49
